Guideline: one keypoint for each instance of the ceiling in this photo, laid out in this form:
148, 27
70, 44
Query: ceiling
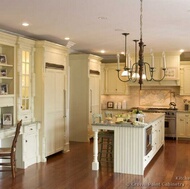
93, 25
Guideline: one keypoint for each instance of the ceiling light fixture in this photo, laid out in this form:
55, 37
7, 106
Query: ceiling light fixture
139, 70
25, 24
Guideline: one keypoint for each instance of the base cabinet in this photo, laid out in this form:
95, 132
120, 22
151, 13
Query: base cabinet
30, 141
183, 125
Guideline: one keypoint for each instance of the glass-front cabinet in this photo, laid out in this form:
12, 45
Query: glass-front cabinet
25, 82
25, 52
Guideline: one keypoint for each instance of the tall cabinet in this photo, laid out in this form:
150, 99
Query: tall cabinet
85, 75
51, 100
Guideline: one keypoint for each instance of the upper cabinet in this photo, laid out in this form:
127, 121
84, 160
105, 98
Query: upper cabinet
7, 78
110, 81
25, 79
184, 78
172, 76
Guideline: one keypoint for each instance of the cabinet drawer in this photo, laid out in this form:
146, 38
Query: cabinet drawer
30, 129
26, 117
6, 101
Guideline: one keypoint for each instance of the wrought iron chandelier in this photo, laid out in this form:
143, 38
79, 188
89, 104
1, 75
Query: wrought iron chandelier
139, 70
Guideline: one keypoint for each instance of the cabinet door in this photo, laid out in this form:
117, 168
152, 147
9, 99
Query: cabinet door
113, 84
54, 111
30, 154
94, 100
184, 80
181, 126
187, 120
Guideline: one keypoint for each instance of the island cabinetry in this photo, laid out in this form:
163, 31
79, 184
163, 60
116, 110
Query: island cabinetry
112, 84
51, 96
184, 78
25, 80
157, 139
131, 142
85, 75
183, 125
7, 77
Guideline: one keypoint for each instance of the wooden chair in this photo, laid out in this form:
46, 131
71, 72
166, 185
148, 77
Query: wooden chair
106, 146
9, 154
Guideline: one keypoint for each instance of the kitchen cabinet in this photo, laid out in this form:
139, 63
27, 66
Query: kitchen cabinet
26, 80
157, 139
30, 141
183, 125
184, 78
112, 84
131, 143
85, 75
172, 77
51, 96
8, 76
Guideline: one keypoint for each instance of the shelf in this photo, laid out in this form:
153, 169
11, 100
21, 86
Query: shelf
6, 65
5, 77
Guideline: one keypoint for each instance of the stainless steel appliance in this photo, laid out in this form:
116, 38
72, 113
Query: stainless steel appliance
170, 120
148, 140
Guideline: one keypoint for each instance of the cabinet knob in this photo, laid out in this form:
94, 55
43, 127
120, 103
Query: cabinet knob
26, 141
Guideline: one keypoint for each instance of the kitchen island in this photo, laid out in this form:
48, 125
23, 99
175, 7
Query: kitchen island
134, 145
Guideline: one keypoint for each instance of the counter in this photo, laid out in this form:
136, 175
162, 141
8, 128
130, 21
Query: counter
130, 143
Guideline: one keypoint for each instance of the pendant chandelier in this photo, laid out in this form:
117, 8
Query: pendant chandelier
140, 70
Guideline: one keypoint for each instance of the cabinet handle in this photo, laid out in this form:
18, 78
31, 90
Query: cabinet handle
90, 100
64, 102
31, 129
26, 141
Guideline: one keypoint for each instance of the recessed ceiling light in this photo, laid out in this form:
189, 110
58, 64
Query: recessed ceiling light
25, 24
67, 38
102, 18
102, 51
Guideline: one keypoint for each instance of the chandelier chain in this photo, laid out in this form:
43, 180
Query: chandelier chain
141, 18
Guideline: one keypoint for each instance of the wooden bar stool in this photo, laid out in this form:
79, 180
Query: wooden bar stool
106, 147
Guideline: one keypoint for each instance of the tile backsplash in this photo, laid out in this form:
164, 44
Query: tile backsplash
148, 97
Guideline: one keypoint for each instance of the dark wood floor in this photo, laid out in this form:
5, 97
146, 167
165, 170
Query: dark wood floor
169, 169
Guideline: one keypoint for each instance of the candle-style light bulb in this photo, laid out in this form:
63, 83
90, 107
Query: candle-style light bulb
118, 61
164, 60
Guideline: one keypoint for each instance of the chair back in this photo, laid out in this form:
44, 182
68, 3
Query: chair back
13, 147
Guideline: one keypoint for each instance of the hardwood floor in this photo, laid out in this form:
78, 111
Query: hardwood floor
169, 169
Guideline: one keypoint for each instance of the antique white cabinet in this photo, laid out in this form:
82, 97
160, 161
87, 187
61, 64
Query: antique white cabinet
183, 125
112, 85
30, 142
85, 73
51, 100
25, 80
184, 78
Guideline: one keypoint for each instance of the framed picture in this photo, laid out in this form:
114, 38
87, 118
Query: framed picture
7, 119
3, 59
4, 89
3, 72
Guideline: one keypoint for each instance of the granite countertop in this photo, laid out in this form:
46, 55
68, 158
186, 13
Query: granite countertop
148, 119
